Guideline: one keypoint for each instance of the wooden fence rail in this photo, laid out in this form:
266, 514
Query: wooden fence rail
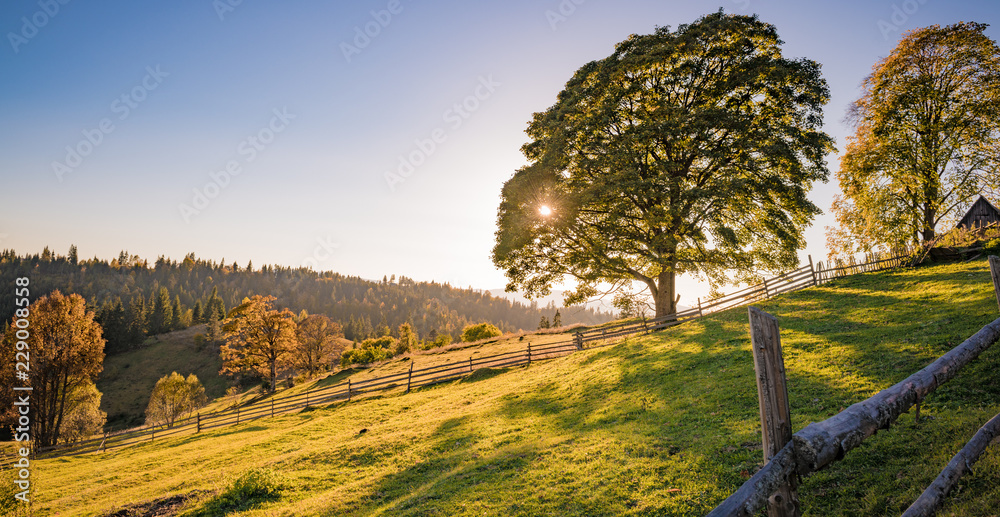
801, 278
823, 443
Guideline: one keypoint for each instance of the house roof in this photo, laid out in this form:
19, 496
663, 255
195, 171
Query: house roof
981, 202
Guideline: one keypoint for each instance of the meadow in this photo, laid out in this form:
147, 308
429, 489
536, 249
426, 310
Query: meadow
663, 424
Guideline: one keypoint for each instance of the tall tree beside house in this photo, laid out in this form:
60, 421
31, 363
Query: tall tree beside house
926, 140
67, 354
687, 151
259, 338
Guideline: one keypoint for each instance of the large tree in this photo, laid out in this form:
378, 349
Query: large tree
317, 345
258, 338
687, 151
65, 352
926, 141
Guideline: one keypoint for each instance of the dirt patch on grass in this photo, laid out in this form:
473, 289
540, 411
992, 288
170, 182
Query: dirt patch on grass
162, 507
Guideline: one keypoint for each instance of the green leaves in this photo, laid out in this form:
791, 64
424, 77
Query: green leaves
926, 139
687, 151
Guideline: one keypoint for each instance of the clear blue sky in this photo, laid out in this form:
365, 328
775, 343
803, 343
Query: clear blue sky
159, 95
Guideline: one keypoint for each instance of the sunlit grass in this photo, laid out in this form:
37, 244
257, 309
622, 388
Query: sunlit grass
659, 425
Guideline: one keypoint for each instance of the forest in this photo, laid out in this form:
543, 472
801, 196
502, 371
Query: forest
134, 299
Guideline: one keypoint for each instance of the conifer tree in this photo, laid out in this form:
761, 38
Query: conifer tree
196, 313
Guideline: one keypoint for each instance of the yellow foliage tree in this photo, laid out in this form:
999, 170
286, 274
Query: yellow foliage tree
174, 396
259, 338
64, 348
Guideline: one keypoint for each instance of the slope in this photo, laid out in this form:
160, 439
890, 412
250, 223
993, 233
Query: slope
660, 425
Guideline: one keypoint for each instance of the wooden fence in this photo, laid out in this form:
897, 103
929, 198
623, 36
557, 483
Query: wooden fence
801, 278
823, 443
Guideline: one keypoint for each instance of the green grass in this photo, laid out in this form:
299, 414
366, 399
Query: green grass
660, 425
128, 378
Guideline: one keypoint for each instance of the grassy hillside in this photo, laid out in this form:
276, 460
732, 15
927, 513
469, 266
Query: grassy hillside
128, 378
660, 425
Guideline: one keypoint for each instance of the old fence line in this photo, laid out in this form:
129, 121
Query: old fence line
820, 444
809, 275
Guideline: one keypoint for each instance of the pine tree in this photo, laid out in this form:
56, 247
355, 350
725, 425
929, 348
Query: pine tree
196, 313
557, 320
177, 322
544, 323
137, 321
72, 254
160, 317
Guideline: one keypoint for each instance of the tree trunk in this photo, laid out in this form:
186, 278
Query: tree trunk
273, 374
665, 298
928, 230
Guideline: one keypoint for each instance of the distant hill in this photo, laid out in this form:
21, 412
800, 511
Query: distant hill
134, 299
555, 299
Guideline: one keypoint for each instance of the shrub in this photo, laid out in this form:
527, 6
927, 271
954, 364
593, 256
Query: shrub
481, 331
370, 351
253, 487
439, 341
174, 396
992, 247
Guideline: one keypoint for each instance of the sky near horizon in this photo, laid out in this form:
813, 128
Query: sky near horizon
369, 138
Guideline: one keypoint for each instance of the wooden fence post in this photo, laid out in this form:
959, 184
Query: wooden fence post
645, 324
348, 389
995, 273
813, 271
578, 337
767, 294
409, 377
529, 353
307, 400
772, 394
272, 406
198, 430
700, 314
470, 364
237, 415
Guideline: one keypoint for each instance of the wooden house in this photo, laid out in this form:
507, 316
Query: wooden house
982, 213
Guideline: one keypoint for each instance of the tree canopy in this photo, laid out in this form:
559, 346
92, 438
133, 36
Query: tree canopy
926, 141
174, 396
687, 151
67, 353
317, 343
258, 338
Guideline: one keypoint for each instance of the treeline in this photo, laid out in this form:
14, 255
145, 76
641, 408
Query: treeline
134, 299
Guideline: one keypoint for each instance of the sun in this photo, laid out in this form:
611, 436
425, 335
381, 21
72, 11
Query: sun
545, 210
